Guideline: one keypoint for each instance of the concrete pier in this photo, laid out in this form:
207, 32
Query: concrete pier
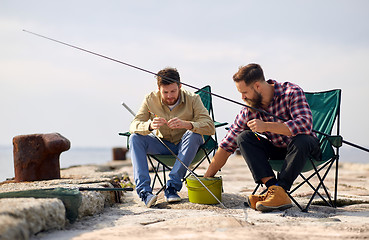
21, 218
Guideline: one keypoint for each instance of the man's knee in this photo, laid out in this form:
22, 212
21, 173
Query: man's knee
244, 137
135, 138
305, 144
197, 137
300, 142
194, 137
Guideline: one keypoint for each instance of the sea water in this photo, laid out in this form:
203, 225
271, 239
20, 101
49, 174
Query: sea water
88, 155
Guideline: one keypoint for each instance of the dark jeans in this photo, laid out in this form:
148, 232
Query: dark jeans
257, 154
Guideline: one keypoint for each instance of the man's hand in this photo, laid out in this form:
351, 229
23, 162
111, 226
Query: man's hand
157, 123
176, 123
257, 125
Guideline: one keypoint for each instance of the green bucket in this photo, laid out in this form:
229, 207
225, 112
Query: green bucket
198, 194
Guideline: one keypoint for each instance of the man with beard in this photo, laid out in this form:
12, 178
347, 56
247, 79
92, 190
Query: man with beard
180, 120
292, 140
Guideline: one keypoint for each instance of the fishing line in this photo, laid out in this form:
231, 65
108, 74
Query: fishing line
150, 72
185, 84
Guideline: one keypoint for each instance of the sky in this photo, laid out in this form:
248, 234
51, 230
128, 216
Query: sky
48, 87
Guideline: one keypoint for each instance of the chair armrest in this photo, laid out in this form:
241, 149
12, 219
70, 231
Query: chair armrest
219, 124
336, 140
126, 134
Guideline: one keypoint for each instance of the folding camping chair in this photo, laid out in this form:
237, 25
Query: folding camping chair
166, 162
325, 107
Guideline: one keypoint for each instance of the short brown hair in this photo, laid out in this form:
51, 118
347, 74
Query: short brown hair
249, 74
168, 76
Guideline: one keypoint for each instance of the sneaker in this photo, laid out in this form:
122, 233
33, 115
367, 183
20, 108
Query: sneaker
148, 198
276, 199
171, 195
251, 200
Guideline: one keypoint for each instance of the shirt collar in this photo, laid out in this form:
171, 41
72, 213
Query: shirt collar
278, 89
182, 95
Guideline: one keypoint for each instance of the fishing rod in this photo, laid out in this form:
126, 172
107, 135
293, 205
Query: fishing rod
179, 160
185, 84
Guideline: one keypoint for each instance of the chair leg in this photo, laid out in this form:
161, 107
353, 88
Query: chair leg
163, 186
306, 180
321, 183
295, 202
313, 188
162, 180
336, 182
161, 189
198, 164
156, 174
257, 187
193, 170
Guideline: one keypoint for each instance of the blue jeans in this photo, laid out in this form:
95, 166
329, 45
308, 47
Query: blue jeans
141, 145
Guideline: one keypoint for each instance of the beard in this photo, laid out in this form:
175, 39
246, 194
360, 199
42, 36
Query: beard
255, 102
170, 101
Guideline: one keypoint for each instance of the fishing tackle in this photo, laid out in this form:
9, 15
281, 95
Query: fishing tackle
185, 84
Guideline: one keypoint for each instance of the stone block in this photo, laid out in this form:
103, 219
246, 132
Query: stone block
23, 217
36, 156
13, 228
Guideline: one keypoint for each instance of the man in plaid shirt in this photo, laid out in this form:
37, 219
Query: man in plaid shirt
292, 140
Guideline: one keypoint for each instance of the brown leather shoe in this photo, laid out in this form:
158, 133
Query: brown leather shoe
251, 200
276, 199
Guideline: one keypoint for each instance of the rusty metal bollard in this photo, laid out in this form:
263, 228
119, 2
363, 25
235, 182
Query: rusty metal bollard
36, 156
119, 153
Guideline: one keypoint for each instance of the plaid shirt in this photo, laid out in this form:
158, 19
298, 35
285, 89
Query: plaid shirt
289, 103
